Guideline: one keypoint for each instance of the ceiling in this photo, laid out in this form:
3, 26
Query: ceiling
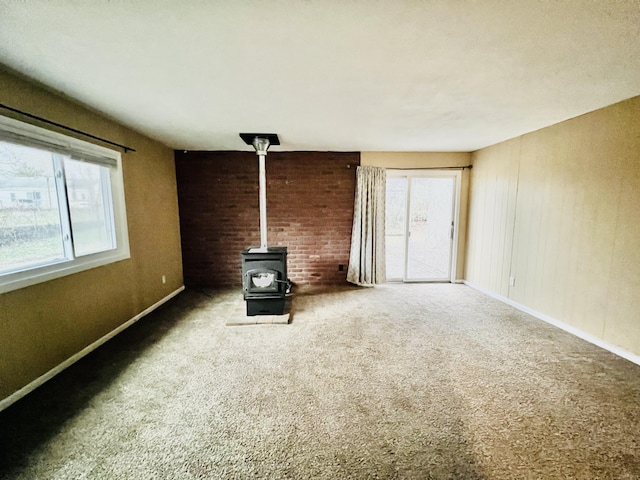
341, 75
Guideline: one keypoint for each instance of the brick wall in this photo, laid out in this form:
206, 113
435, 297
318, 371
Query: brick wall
309, 210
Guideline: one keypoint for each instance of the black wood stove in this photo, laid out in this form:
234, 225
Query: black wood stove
265, 283
264, 280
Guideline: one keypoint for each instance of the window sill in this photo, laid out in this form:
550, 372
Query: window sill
27, 278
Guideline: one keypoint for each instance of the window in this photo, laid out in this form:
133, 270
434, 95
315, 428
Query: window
61, 205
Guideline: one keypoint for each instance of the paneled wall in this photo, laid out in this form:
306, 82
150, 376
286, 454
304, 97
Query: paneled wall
559, 210
310, 199
494, 183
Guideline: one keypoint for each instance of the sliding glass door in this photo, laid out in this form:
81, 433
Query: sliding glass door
395, 227
420, 225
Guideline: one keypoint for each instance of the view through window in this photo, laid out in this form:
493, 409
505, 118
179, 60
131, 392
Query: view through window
419, 224
57, 204
30, 225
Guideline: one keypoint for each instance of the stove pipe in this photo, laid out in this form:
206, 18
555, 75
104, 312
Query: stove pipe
261, 142
261, 145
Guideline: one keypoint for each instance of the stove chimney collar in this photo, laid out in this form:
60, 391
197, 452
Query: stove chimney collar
260, 141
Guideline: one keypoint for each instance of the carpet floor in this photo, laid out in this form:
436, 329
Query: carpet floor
416, 381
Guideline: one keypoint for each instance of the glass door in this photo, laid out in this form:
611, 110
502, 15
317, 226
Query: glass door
395, 227
420, 226
430, 231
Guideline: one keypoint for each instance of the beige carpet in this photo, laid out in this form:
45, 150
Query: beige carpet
398, 381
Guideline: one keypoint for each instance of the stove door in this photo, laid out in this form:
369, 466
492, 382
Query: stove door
262, 280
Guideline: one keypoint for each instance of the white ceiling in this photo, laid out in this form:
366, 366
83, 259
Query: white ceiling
343, 75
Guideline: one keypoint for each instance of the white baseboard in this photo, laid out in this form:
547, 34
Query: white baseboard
632, 357
17, 395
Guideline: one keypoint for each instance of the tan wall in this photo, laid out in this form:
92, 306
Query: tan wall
45, 324
417, 160
559, 209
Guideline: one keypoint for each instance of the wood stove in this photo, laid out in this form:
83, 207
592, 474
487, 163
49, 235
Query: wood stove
264, 269
264, 280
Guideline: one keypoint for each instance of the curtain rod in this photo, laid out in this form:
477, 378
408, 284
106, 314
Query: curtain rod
80, 132
435, 168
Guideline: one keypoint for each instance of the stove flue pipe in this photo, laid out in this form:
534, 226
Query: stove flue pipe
261, 142
261, 145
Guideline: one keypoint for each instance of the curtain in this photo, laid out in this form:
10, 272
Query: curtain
367, 260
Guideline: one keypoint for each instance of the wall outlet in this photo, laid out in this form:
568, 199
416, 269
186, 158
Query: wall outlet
164, 279
512, 281
341, 267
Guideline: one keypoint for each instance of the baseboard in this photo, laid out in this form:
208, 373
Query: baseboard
632, 357
17, 395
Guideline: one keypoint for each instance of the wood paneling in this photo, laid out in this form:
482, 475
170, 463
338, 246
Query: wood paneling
570, 231
491, 216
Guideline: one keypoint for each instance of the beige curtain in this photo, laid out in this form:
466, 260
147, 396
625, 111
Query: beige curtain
366, 261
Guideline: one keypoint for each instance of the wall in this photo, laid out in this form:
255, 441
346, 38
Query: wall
310, 199
558, 209
44, 325
417, 160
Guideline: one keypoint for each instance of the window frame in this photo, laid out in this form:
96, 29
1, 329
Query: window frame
31, 135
